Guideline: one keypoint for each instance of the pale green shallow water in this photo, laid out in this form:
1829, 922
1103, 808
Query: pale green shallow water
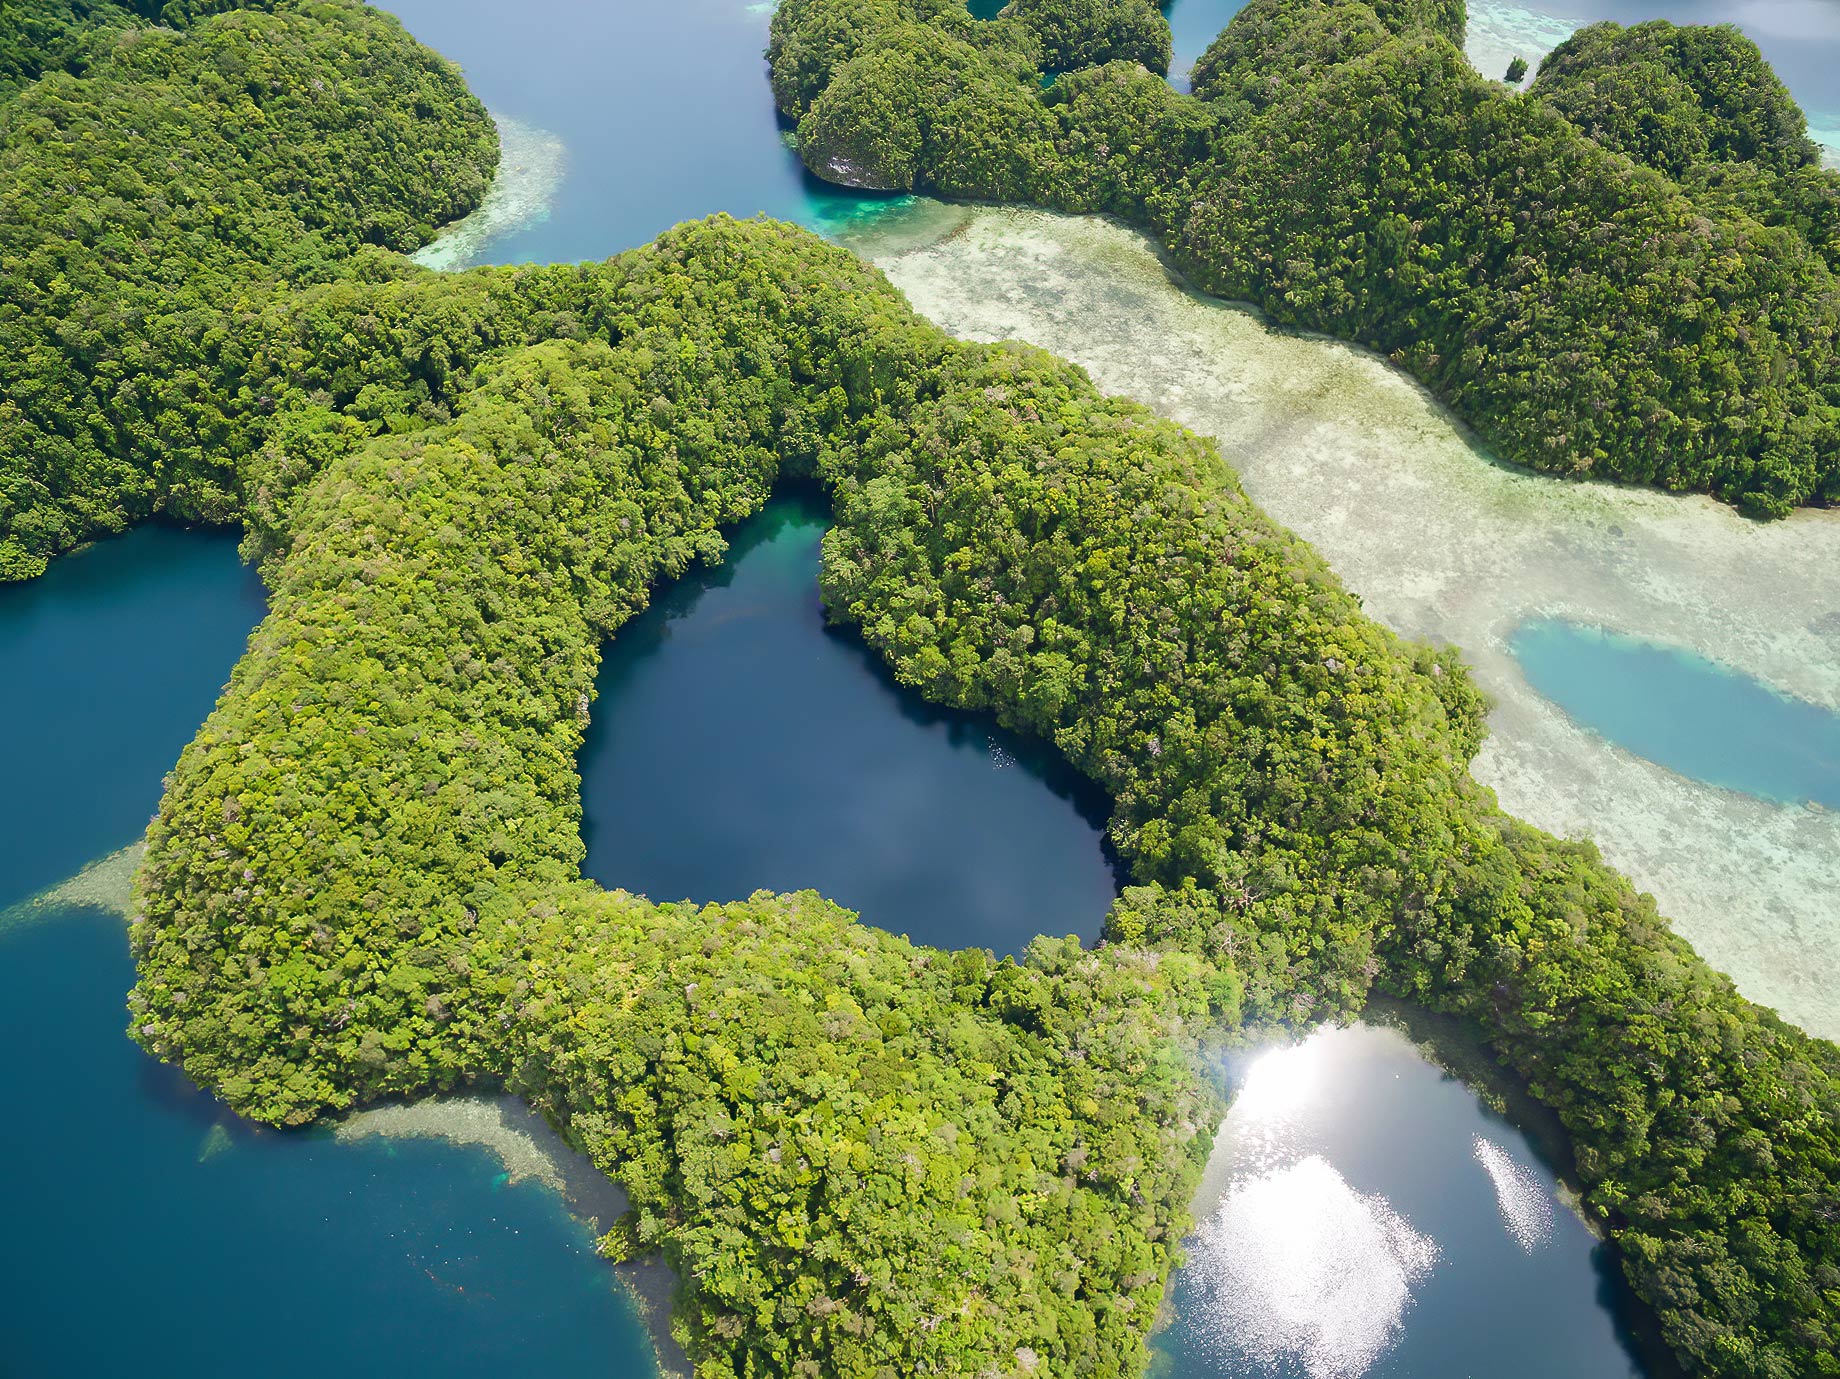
1442, 543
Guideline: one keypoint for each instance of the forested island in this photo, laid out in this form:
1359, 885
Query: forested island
861, 1156
1627, 272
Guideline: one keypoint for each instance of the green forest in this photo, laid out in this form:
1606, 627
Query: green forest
862, 1157
1626, 272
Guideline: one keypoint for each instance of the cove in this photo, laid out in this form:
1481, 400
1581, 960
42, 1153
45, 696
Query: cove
1685, 712
664, 113
146, 1231
738, 743
113, 658
1365, 1214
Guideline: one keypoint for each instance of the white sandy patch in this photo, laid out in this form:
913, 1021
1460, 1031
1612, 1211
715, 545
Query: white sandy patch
106, 884
1443, 543
531, 164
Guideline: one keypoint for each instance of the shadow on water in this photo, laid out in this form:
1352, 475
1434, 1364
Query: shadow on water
739, 742
1460, 1052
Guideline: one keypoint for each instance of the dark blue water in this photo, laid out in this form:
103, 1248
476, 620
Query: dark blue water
122, 1252
1374, 1218
126, 1252
90, 731
1685, 712
738, 743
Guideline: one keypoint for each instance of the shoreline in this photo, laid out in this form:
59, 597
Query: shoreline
532, 163
1446, 544
106, 884
529, 1149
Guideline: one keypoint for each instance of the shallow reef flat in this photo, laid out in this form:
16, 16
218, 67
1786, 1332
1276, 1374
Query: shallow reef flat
1443, 543
106, 884
530, 170
529, 1148
1500, 31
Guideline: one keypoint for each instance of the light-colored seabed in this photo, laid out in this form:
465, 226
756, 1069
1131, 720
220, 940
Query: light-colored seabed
530, 169
1499, 32
107, 885
1442, 543
530, 1149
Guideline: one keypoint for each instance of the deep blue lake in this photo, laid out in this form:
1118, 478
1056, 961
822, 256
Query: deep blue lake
1689, 714
1366, 1215
738, 743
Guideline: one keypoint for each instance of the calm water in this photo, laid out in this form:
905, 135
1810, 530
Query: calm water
1366, 1215
91, 728
138, 1238
664, 109
738, 743
1690, 714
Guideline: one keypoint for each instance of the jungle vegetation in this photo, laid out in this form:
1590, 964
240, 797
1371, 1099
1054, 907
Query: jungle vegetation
173, 183
1626, 271
861, 1156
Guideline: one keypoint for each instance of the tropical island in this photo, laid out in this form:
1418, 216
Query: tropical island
1626, 272
860, 1155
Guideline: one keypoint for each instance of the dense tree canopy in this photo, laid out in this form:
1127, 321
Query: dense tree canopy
1627, 272
863, 1157
181, 177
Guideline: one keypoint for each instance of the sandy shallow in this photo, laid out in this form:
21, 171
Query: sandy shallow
530, 1149
1443, 543
106, 884
530, 169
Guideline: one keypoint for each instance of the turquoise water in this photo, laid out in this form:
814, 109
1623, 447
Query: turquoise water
1685, 712
739, 743
1374, 1218
664, 109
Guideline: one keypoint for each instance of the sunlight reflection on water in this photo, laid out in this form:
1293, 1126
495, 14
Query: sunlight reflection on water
1298, 1267
1526, 1205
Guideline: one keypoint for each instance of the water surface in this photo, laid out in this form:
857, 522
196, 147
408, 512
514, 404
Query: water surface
111, 660
146, 1231
738, 743
1685, 712
664, 112
1366, 1215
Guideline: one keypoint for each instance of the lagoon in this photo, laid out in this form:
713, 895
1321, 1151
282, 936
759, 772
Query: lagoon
738, 743
1685, 712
